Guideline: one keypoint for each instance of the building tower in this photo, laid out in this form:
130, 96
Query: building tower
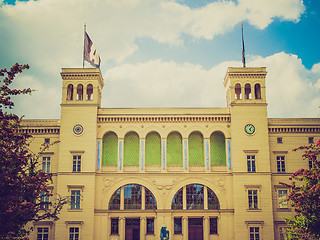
246, 98
81, 98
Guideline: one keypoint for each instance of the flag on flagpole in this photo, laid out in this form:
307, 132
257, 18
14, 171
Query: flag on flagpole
90, 52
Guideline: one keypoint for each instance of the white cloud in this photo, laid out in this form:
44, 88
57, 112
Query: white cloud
49, 32
291, 88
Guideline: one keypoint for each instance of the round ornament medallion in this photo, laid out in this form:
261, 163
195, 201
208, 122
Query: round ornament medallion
78, 129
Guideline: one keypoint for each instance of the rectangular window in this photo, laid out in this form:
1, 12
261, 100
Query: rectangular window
76, 163
44, 201
281, 167
282, 198
213, 225
43, 233
253, 199
279, 140
311, 164
47, 140
46, 164
150, 225
114, 226
311, 139
251, 163
74, 233
178, 225
75, 199
254, 233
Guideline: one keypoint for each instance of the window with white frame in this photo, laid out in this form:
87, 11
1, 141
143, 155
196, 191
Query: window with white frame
42, 233
46, 164
283, 198
76, 163
75, 199
251, 163
74, 233
253, 199
254, 233
279, 140
281, 165
47, 141
44, 204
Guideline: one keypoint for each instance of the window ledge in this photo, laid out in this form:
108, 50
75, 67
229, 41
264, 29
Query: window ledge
254, 210
74, 210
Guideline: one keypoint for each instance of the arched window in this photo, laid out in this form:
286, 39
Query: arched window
89, 92
257, 91
70, 92
132, 198
80, 92
237, 90
114, 203
174, 149
217, 149
151, 202
131, 149
153, 149
196, 198
110, 149
247, 91
196, 152
213, 202
177, 201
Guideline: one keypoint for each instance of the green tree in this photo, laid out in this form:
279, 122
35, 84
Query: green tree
22, 184
305, 197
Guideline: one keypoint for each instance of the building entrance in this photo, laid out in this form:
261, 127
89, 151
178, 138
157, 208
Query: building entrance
195, 228
132, 229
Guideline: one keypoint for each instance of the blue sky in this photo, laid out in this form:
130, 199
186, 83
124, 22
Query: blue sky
168, 53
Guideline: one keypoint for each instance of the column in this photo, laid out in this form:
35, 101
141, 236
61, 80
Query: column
205, 197
185, 228
122, 198
143, 228
122, 228
185, 154
206, 228
143, 198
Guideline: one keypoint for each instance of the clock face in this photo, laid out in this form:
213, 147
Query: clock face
249, 128
78, 129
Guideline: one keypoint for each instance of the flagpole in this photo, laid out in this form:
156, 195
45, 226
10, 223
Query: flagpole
243, 51
84, 43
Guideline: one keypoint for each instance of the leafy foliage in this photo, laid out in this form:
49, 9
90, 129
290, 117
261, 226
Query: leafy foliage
22, 184
305, 197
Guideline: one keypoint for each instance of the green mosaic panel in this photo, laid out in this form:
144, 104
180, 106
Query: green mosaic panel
196, 153
174, 150
131, 150
153, 149
110, 150
217, 149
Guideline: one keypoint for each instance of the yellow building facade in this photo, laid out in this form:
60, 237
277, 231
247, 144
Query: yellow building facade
199, 173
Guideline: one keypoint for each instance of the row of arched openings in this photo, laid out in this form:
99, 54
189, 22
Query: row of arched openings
247, 91
174, 149
80, 92
197, 197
